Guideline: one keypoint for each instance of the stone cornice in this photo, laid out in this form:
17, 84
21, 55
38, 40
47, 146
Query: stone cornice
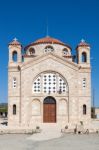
84, 69
38, 59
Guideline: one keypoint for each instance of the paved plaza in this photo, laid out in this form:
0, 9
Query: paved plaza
66, 142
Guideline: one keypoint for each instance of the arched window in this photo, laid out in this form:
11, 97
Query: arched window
50, 82
49, 100
14, 109
84, 57
49, 48
65, 51
84, 109
14, 82
14, 56
31, 51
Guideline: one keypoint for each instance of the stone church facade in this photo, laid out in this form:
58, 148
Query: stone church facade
48, 84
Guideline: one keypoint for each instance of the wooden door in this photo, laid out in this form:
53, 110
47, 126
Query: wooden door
49, 112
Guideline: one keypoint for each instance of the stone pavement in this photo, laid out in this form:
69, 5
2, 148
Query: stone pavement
49, 131
66, 142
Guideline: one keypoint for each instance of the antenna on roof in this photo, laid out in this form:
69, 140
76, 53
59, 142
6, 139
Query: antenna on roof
47, 29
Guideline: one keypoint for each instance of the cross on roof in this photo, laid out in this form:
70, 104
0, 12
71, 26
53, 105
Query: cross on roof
82, 40
15, 39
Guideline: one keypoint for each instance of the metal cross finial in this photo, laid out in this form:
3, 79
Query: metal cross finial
15, 39
82, 40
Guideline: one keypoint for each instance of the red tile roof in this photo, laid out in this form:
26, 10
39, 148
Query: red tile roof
15, 42
47, 40
83, 44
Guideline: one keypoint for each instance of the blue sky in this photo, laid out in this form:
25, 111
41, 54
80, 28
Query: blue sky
68, 20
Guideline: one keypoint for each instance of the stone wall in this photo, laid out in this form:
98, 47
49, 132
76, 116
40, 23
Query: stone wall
24, 97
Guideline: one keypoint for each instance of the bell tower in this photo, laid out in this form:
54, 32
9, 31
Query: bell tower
83, 54
14, 82
84, 81
15, 52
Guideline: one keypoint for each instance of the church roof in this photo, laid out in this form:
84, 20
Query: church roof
83, 44
47, 40
15, 42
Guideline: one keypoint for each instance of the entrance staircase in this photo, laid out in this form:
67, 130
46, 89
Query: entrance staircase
48, 131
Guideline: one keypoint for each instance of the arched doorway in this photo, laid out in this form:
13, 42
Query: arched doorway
49, 110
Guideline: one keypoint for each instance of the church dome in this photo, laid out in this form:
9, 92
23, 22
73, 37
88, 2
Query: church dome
47, 40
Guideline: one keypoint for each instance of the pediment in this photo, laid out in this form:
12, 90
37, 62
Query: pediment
47, 56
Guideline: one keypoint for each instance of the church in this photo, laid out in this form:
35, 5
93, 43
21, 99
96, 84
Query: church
48, 84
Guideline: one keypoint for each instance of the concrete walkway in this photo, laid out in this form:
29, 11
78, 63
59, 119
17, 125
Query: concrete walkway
67, 142
48, 131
